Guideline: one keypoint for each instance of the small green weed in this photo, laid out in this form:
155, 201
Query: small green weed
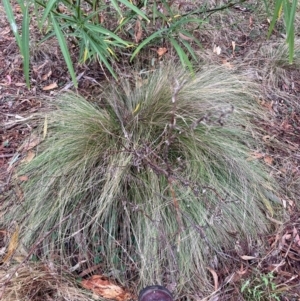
262, 287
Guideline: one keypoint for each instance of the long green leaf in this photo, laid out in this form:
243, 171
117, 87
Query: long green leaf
135, 9
182, 56
64, 49
278, 5
12, 22
116, 6
102, 53
146, 41
189, 48
291, 18
48, 9
108, 33
25, 44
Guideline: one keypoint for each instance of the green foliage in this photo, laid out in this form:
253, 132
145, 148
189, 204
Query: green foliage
289, 8
23, 39
153, 180
80, 22
173, 29
262, 287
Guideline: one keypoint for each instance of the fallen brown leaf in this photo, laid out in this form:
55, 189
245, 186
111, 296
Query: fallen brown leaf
23, 178
50, 87
184, 37
255, 156
215, 277
268, 160
101, 286
161, 51
138, 31
12, 246
30, 155
46, 76
217, 50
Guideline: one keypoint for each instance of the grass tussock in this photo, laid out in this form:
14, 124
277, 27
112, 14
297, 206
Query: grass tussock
153, 182
271, 63
36, 282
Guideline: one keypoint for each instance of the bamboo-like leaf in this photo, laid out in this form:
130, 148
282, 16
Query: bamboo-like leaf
147, 41
134, 8
102, 53
167, 7
186, 33
12, 22
25, 44
22, 4
189, 48
64, 48
116, 6
108, 33
47, 10
275, 16
182, 56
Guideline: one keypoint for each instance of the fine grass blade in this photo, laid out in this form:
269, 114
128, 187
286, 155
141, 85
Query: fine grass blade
25, 44
64, 49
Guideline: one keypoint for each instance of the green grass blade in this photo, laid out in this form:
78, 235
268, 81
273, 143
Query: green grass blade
182, 56
167, 7
134, 8
275, 16
22, 4
102, 53
108, 33
12, 22
291, 19
189, 35
48, 9
64, 49
116, 6
25, 44
147, 41
189, 48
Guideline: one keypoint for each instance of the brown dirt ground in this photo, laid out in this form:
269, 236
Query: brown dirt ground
19, 104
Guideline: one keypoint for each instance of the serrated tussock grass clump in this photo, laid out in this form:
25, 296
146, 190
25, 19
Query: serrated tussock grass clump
153, 182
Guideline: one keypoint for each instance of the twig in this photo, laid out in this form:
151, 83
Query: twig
7, 155
213, 10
